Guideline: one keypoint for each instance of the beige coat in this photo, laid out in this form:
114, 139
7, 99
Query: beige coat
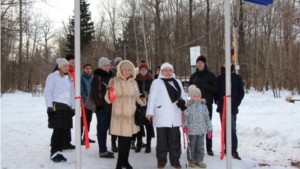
123, 108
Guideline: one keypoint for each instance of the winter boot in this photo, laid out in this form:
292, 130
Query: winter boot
139, 146
125, 162
61, 157
148, 146
54, 156
236, 155
120, 160
114, 147
200, 164
132, 145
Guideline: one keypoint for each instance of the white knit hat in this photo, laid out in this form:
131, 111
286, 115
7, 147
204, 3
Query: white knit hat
61, 61
193, 90
103, 61
165, 65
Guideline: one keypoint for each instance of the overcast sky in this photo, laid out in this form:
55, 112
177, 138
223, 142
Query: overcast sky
61, 10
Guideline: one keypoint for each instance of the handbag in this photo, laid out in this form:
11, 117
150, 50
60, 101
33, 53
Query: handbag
89, 104
140, 116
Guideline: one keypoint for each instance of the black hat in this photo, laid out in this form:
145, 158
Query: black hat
201, 58
69, 57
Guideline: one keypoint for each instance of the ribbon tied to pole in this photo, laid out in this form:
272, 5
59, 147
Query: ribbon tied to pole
223, 126
86, 133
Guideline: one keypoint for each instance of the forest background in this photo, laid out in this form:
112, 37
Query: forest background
157, 31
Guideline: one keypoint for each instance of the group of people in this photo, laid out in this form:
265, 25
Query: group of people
116, 92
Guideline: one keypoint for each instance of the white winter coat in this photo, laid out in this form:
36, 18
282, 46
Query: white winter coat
59, 89
164, 112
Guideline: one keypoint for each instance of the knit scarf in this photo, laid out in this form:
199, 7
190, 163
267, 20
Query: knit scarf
174, 93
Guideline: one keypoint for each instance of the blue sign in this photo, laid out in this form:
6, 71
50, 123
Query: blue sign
261, 2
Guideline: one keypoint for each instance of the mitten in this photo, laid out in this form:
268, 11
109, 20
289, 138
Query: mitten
50, 111
185, 130
209, 134
181, 104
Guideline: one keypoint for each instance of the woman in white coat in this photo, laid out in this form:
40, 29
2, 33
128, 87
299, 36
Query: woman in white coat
166, 101
60, 101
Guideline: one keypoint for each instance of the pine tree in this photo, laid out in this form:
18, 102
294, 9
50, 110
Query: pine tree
86, 28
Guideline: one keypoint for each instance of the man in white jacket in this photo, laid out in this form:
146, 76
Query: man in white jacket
166, 101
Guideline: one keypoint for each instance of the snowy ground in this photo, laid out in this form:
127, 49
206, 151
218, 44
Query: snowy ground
267, 130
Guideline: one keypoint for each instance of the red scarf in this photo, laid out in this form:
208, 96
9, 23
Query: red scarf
72, 72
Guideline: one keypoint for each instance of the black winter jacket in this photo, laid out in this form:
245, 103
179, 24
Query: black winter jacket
237, 92
99, 99
206, 81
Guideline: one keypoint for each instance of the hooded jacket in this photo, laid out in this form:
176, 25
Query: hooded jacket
127, 95
164, 112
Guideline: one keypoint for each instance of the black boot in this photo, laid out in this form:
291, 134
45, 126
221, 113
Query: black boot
132, 145
125, 162
138, 146
148, 146
114, 147
120, 161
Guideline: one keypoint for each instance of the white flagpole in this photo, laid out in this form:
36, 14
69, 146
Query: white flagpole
77, 85
228, 84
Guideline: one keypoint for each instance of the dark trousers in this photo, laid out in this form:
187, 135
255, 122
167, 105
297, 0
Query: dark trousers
168, 139
89, 116
209, 140
149, 132
57, 140
124, 149
103, 124
234, 139
67, 136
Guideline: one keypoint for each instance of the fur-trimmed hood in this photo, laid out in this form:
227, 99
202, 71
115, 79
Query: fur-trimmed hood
119, 72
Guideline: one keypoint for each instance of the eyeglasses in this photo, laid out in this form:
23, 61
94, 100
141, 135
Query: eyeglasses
167, 70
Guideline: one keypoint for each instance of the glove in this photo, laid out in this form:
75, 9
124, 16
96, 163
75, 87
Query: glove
209, 133
50, 111
181, 104
185, 130
73, 112
112, 97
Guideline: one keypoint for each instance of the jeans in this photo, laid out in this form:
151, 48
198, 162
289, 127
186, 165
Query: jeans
195, 151
234, 139
103, 119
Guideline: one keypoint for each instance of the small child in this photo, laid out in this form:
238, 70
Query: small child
198, 123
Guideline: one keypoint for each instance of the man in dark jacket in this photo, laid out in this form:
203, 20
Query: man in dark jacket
86, 79
237, 94
206, 81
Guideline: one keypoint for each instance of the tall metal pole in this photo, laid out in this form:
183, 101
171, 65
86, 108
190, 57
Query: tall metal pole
235, 29
77, 85
228, 84
144, 36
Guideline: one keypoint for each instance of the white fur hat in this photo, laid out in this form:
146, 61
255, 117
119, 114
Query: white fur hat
193, 90
61, 61
165, 65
